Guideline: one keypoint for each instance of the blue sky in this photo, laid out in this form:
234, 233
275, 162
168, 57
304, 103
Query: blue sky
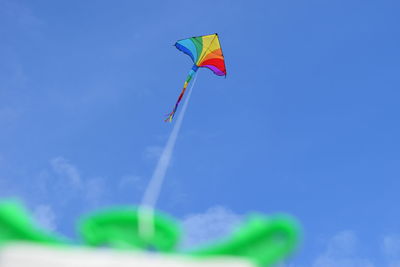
306, 121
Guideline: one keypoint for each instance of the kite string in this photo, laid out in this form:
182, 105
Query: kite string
146, 209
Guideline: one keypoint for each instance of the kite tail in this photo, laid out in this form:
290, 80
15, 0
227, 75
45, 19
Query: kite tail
185, 85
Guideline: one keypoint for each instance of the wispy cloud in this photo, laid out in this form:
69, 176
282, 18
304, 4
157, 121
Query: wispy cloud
391, 245
45, 216
62, 189
65, 175
215, 223
341, 251
68, 171
391, 249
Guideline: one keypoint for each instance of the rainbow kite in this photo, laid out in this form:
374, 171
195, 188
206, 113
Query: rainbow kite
206, 52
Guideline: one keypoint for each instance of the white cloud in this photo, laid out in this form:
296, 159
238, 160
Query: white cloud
343, 243
90, 190
341, 252
68, 171
45, 216
391, 245
328, 261
63, 178
211, 225
391, 249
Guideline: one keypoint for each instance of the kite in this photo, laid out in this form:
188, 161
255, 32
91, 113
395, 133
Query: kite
205, 52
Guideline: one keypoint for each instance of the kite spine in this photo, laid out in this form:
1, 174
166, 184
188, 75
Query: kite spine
191, 74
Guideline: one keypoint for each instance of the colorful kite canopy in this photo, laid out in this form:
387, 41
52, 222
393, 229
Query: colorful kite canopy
205, 52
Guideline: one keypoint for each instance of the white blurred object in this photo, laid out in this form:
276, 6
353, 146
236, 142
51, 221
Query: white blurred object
29, 255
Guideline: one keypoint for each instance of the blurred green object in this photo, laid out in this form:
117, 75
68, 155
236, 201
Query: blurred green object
261, 240
16, 225
119, 228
